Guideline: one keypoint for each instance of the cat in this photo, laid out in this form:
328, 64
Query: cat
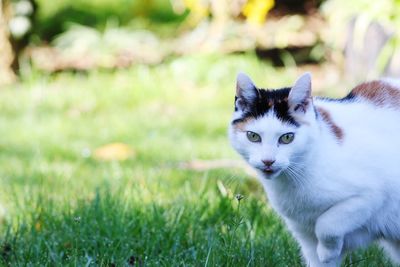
330, 167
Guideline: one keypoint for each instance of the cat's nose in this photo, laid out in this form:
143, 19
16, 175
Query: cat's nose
268, 163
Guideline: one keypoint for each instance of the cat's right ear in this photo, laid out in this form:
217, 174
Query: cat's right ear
300, 94
246, 92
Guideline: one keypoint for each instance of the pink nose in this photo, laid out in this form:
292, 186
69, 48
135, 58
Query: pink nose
268, 163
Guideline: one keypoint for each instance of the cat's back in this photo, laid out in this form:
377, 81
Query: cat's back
383, 93
369, 122
371, 104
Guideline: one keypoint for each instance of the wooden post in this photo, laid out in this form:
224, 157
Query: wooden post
7, 74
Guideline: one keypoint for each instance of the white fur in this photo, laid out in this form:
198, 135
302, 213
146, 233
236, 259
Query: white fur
334, 196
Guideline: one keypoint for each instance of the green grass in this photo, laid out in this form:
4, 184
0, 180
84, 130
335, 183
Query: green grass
62, 207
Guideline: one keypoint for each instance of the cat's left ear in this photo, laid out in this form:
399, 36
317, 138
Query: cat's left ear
246, 92
300, 95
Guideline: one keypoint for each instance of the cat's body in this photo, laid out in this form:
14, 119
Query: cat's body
335, 176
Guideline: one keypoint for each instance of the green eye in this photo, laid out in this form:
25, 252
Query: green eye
286, 138
253, 137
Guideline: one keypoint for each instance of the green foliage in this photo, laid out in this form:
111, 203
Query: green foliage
385, 12
65, 208
55, 17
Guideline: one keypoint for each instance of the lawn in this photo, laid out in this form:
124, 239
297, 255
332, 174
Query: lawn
64, 203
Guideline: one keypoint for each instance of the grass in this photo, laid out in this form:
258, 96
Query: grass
64, 207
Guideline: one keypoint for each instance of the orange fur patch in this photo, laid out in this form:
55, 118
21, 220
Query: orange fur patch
242, 125
378, 92
326, 117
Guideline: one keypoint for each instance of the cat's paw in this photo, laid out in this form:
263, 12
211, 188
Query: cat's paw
326, 254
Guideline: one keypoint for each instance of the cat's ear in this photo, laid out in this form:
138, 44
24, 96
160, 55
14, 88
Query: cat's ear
246, 91
300, 94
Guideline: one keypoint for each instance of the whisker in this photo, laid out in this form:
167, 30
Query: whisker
294, 176
297, 174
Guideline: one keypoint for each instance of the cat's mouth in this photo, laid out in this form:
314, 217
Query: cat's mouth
269, 170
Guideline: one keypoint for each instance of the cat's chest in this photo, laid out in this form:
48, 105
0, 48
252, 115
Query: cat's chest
300, 205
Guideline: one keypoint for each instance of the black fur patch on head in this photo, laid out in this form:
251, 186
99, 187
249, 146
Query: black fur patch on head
236, 108
267, 100
348, 98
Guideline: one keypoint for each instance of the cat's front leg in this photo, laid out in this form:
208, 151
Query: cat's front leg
339, 220
308, 244
329, 248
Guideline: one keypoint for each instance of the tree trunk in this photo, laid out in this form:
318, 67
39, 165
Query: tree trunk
7, 74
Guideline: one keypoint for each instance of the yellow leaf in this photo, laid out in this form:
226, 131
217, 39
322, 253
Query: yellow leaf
198, 10
113, 151
256, 11
38, 226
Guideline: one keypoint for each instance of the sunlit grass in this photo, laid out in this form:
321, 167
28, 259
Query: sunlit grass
62, 206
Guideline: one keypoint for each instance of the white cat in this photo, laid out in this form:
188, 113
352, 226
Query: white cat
330, 167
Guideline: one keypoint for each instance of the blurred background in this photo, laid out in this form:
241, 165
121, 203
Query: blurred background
114, 114
356, 39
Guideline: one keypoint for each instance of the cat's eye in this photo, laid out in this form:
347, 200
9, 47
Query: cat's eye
286, 138
253, 137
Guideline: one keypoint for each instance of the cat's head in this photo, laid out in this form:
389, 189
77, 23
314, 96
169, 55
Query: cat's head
273, 129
